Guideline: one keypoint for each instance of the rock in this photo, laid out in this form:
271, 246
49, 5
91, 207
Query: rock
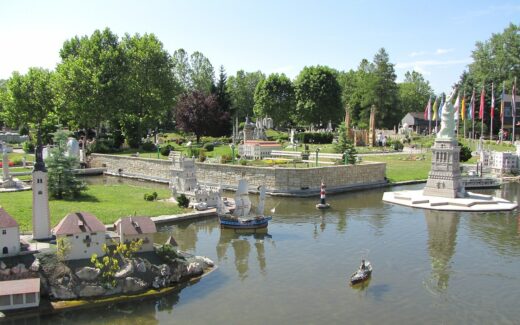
91, 291
115, 291
5, 272
164, 270
88, 273
141, 267
62, 293
19, 269
2, 265
35, 266
207, 262
194, 269
159, 282
125, 271
133, 285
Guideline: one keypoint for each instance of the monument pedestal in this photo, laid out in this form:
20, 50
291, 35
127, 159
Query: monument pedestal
444, 179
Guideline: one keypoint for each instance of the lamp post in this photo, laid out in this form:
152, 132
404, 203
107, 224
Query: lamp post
317, 151
158, 150
232, 146
345, 156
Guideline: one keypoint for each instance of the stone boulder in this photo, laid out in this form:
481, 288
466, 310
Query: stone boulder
60, 292
19, 269
141, 267
133, 285
91, 291
194, 268
35, 266
125, 272
88, 273
206, 261
2, 265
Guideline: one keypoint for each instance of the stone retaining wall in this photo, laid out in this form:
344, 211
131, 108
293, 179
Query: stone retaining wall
278, 180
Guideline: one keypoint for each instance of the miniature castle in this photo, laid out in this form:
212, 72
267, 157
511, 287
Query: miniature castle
501, 163
184, 181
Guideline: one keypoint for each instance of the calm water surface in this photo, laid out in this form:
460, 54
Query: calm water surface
429, 267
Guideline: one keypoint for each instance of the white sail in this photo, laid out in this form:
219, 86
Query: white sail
261, 201
242, 203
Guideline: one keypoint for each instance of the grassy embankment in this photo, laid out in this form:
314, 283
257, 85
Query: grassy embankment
107, 202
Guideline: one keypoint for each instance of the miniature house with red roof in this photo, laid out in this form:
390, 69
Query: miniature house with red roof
135, 228
9, 235
83, 233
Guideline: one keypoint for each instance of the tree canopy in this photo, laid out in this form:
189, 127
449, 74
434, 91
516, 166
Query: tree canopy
241, 88
274, 97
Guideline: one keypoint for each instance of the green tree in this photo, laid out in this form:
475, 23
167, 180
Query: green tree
29, 99
385, 91
91, 80
414, 92
345, 146
202, 74
275, 97
318, 96
242, 88
182, 70
224, 101
151, 88
62, 180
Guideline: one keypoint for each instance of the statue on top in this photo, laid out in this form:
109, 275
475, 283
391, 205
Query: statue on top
448, 119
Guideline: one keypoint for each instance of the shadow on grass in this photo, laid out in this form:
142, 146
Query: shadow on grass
82, 198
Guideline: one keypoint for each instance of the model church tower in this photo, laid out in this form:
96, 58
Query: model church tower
41, 214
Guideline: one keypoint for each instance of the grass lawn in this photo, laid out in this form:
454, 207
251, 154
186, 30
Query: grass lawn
404, 167
107, 202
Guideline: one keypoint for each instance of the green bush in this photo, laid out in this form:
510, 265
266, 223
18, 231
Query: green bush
398, 146
102, 146
150, 197
465, 153
183, 201
315, 137
28, 147
165, 150
209, 147
242, 162
225, 158
148, 146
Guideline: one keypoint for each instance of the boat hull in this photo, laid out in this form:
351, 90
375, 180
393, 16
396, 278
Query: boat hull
322, 206
256, 223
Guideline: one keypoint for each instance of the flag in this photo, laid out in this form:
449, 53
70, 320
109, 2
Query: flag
463, 107
428, 110
472, 104
502, 100
492, 113
456, 106
435, 110
481, 109
440, 106
513, 100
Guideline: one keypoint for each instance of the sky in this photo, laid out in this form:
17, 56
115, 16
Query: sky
435, 38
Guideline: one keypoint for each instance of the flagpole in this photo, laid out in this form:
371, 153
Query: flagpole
473, 115
482, 119
458, 120
502, 112
513, 106
492, 111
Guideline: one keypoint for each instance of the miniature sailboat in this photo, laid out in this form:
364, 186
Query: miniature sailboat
323, 204
242, 218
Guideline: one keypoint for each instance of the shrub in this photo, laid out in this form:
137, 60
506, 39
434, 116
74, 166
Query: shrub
242, 162
398, 146
28, 147
150, 197
102, 146
209, 147
315, 137
225, 158
165, 150
465, 153
183, 201
148, 146
202, 155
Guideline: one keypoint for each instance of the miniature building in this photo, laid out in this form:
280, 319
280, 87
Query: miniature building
501, 163
83, 232
9, 235
184, 181
256, 149
41, 214
135, 228
18, 294
416, 121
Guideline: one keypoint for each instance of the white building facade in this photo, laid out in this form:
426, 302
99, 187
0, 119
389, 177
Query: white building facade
255, 149
136, 228
41, 216
9, 235
17, 294
501, 163
81, 234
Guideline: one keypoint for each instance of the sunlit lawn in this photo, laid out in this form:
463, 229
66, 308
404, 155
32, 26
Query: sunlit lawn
107, 202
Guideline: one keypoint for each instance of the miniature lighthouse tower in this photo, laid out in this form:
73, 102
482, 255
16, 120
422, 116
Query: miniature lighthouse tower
41, 214
323, 204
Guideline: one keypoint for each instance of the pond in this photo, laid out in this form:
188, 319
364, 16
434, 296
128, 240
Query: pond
429, 267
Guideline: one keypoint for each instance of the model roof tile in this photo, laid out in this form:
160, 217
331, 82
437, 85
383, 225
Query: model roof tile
135, 226
6, 221
77, 223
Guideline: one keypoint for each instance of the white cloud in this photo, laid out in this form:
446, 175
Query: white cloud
443, 51
419, 53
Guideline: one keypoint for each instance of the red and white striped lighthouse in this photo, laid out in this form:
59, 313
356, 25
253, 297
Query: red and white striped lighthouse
322, 193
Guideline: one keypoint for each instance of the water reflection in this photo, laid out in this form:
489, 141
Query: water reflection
240, 242
442, 239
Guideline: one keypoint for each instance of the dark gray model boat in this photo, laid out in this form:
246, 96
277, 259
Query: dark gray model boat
362, 274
